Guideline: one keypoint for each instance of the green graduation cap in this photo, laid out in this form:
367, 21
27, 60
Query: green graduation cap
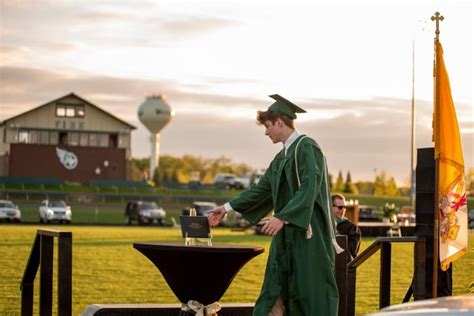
283, 106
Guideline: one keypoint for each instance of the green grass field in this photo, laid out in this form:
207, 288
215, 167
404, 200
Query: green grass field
106, 268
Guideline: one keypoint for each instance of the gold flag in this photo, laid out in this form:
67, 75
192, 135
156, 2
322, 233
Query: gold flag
453, 230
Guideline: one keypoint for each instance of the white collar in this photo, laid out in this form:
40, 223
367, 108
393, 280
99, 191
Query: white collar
290, 140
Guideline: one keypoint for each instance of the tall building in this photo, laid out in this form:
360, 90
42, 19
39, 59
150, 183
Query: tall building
68, 138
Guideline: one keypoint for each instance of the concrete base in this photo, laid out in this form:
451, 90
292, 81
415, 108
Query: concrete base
237, 309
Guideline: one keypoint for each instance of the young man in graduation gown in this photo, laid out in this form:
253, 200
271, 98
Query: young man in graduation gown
299, 277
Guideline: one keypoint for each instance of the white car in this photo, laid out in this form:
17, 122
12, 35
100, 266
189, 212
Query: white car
55, 210
9, 211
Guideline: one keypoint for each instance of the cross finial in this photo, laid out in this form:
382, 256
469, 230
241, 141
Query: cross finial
437, 17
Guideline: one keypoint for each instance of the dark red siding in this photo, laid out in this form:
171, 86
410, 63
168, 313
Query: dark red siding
29, 160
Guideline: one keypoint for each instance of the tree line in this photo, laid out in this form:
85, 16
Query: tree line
383, 185
189, 168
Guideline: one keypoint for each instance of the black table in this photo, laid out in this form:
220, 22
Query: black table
199, 273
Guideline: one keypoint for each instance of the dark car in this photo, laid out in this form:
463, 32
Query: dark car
368, 214
144, 213
200, 207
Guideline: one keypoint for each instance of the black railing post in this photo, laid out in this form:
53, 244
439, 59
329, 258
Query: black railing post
351, 290
341, 274
419, 279
65, 275
27, 299
46, 275
385, 274
41, 255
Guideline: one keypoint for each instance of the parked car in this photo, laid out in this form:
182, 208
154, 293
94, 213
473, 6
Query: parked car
55, 210
201, 208
144, 213
9, 211
368, 214
231, 181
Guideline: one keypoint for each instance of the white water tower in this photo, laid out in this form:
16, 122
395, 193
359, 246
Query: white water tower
155, 114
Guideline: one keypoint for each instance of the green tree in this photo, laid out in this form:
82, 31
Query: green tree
138, 168
379, 183
365, 187
339, 186
179, 169
391, 188
349, 186
383, 186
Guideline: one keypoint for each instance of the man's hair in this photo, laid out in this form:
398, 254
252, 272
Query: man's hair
263, 116
337, 196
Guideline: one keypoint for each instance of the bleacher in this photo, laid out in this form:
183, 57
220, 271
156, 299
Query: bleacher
118, 184
22, 182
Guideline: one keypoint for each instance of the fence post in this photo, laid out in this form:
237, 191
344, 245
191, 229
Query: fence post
385, 275
351, 291
46, 275
65, 274
341, 274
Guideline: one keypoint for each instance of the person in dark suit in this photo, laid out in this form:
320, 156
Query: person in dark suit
344, 225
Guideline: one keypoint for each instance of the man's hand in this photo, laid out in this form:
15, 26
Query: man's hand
271, 225
215, 215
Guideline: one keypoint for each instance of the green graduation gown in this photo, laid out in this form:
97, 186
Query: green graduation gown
300, 270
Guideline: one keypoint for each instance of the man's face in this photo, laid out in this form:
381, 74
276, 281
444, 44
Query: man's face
274, 131
339, 208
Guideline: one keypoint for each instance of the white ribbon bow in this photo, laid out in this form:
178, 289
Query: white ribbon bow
200, 309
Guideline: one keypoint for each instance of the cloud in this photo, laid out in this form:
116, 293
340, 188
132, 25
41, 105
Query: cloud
359, 135
192, 26
96, 16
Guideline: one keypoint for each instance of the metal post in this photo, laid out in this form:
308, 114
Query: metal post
385, 269
46, 275
27, 291
341, 274
437, 110
65, 275
351, 291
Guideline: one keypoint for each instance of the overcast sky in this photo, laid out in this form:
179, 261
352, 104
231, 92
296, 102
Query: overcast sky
349, 64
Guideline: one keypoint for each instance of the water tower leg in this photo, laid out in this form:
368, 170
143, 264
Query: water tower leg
155, 153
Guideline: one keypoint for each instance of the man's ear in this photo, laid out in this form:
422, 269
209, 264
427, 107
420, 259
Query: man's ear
279, 122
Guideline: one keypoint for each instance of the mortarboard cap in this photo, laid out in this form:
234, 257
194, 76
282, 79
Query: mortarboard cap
285, 107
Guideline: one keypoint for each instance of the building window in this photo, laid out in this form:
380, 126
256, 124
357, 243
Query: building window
33, 137
53, 138
84, 140
63, 138
70, 110
73, 139
104, 140
44, 137
61, 111
80, 111
23, 137
123, 141
113, 139
92, 139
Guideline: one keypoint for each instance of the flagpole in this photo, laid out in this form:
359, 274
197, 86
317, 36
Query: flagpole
437, 107
413, 141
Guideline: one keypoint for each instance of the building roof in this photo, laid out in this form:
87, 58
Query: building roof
72, 94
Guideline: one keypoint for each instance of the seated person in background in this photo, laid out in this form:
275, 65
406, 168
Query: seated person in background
344, 225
